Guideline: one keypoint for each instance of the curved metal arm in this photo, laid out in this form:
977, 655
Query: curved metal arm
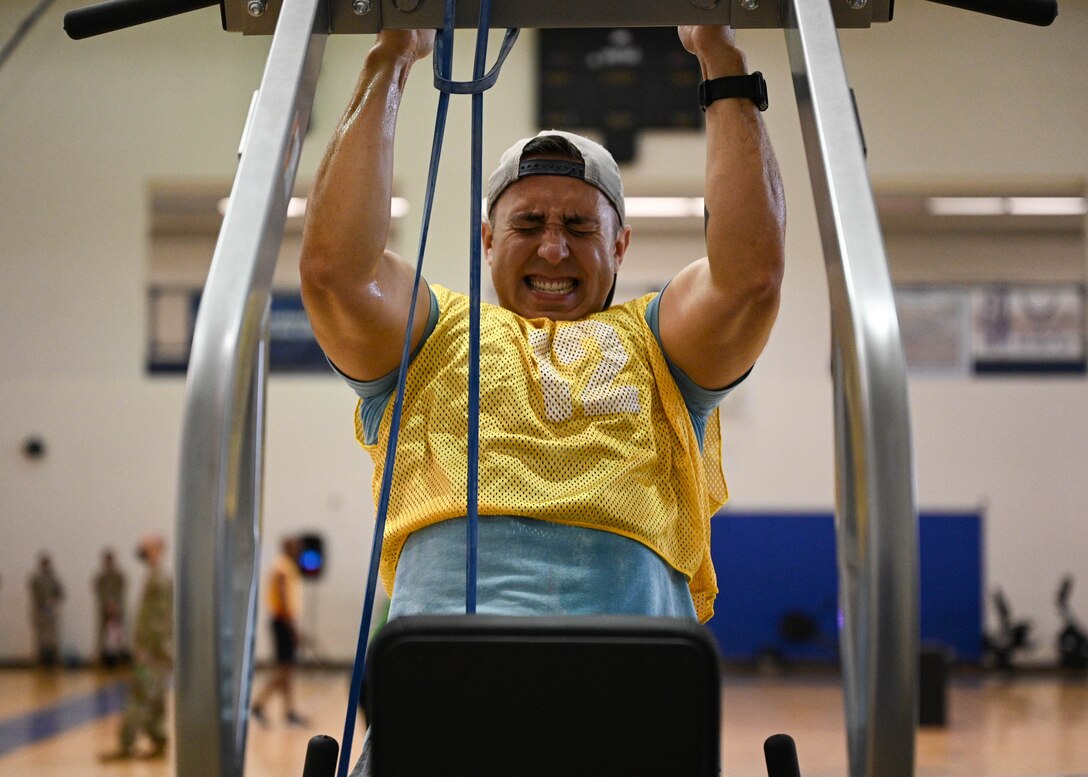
219, 500
876, 522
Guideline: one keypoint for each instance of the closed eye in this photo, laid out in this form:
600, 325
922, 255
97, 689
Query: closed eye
527, 222
577, 226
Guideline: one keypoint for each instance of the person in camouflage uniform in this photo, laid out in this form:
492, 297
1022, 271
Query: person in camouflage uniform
109, 591
152, 657
46, 595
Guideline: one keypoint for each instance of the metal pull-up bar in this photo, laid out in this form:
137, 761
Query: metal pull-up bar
219, 501
259, 17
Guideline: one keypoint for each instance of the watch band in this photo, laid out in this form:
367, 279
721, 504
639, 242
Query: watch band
751, 86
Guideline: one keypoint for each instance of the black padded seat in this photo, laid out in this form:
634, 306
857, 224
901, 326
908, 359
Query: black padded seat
497, 696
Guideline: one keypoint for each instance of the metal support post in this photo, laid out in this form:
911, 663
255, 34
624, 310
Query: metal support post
219, 498
876, 522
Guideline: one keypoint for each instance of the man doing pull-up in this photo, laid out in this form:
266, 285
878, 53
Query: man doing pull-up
599, 441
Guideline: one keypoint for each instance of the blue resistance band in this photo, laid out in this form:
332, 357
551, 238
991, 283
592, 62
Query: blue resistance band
443, 66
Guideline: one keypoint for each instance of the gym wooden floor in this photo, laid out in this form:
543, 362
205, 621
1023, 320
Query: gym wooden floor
1033, 725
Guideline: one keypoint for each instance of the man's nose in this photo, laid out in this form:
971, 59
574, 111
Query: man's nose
553, 245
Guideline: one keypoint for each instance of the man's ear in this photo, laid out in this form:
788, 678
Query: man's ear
623, 240
486, 236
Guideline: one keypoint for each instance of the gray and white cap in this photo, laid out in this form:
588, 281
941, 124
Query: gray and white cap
597, 168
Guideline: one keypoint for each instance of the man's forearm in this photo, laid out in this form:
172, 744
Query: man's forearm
726, 303
744, 201
745, 209
348, 210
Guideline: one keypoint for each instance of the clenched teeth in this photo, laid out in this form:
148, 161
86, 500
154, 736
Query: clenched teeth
551, 286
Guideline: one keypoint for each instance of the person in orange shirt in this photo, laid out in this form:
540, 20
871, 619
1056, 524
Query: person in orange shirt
283, 599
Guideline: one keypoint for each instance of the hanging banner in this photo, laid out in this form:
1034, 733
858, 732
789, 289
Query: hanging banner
935, 325
1028, 329
292, 347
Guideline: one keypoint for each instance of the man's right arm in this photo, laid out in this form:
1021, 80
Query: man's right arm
357, 292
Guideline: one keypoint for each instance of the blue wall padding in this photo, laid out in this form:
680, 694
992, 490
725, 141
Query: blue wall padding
773, 564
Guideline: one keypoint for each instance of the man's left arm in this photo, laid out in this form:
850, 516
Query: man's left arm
716, 314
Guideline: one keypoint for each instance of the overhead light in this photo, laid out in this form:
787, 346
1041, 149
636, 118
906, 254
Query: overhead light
965, 206
1048, 206
296, 207
1007, 206
664, 207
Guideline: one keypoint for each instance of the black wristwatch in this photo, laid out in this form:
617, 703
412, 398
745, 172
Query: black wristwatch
751, 86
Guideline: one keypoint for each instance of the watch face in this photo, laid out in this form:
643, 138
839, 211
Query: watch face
704, 98
761, 91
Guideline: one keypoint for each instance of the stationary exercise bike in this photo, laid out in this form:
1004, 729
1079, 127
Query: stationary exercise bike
1011, 637
1072, 640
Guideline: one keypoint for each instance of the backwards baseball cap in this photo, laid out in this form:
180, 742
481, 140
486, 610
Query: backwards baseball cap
597, 168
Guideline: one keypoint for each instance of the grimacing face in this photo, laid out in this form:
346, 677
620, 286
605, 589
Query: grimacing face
553, 244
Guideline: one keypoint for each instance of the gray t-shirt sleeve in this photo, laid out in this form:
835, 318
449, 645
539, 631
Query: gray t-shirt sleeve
376, 394
700, 401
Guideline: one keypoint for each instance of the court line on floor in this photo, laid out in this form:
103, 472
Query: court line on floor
23, 730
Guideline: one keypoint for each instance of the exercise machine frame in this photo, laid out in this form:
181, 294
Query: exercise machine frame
219, 501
